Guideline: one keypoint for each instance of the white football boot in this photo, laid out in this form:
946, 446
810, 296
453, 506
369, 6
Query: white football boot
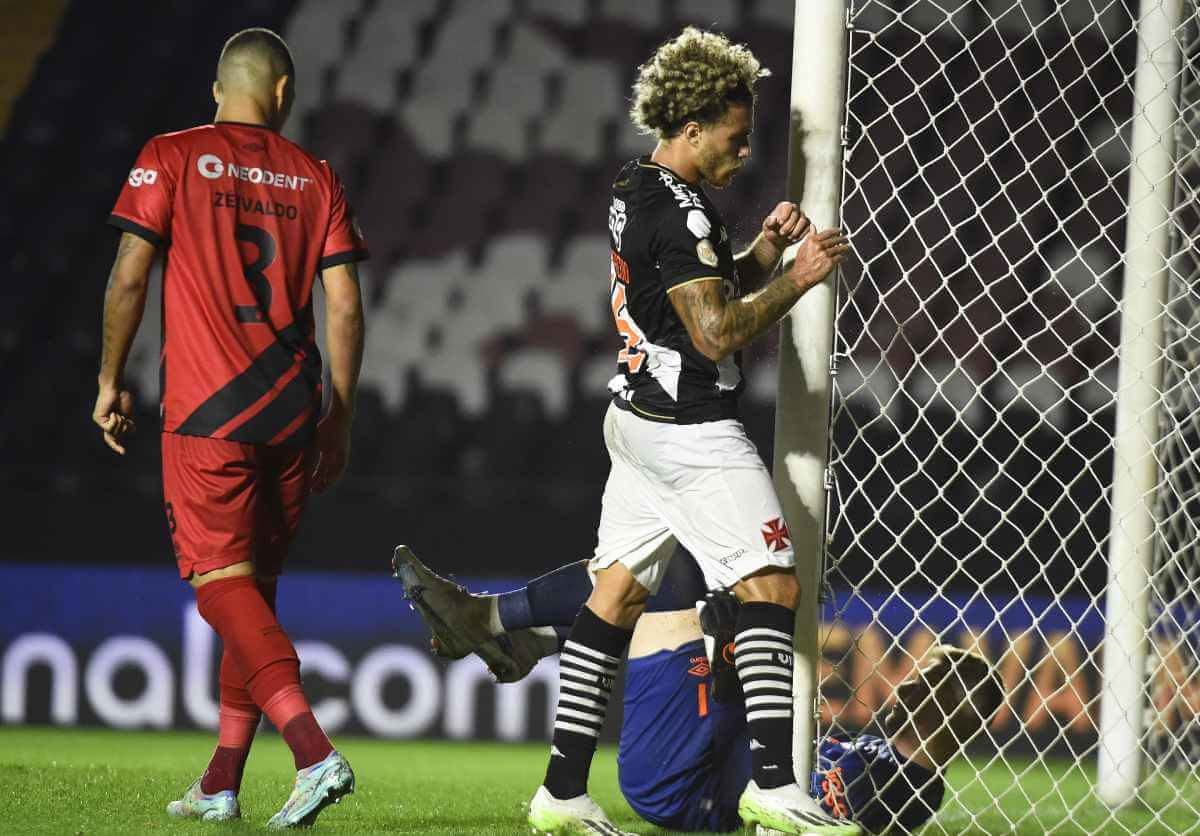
578, 815
220, 806
789, 809
325, 782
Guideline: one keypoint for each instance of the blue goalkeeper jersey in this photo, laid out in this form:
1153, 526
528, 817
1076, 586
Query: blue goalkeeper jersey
866, 780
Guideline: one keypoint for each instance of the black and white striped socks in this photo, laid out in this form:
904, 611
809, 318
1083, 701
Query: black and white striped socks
587, 667
763, 656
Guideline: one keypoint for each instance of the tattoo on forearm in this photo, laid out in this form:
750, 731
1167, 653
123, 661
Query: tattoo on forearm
727, 326
121, 318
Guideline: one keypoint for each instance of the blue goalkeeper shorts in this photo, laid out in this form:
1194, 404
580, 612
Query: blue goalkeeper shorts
683, 760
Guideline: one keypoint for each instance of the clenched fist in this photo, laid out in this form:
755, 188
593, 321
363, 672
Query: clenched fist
785, 225
113, 415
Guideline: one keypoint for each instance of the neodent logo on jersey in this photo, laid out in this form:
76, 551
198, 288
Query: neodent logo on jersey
211, 167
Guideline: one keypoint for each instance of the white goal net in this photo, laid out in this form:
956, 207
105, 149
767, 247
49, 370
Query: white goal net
1006, 353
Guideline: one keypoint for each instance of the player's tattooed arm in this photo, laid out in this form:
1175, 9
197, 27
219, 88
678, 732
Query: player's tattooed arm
720, 327
124, 303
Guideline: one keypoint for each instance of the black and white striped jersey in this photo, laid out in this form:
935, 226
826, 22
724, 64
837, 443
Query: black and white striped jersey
665, 233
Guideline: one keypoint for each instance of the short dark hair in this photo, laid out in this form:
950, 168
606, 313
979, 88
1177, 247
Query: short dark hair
263, 45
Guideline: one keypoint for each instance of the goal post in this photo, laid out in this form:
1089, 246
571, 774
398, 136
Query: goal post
1139, 391
988, 421
818, 84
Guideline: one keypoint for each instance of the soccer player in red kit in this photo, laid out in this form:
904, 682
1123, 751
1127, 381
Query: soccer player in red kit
246, 220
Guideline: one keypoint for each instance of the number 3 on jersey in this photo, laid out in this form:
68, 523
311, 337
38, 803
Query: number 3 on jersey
631, 355
260, 285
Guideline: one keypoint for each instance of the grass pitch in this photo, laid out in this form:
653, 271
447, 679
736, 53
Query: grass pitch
91, 782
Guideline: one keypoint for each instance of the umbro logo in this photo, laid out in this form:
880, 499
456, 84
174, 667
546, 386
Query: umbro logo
755, 745
554, 753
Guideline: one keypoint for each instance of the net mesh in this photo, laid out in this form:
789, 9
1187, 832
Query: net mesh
975, 358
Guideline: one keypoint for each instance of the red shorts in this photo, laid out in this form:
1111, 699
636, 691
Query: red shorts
229, 502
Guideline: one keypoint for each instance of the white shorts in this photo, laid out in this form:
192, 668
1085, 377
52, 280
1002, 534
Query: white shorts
702, 485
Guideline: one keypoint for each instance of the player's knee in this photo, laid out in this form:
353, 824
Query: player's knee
772, 585
618, 598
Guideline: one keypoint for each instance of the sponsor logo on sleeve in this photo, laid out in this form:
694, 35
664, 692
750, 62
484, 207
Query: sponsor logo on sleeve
617, 220
698, 223
143, 177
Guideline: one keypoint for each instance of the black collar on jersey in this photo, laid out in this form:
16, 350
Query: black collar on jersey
243, 124
646, 161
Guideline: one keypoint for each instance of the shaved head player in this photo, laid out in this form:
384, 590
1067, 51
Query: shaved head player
246, 221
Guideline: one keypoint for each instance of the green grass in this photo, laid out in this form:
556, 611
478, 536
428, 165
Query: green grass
89, 782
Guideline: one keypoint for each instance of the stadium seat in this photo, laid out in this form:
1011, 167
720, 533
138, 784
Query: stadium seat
342, 133
419, 291
477, 180
398, 180
398, 344
596, 371
387, 43
540, 371
457, 370
316, 34
516, 93
515, 256
500, 130
517, 87
530, 47
588, 256
591, 95
585, 298
430, 120
466, 40
629, 142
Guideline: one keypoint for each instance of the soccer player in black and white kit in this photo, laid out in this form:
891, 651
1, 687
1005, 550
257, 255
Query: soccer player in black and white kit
683, 469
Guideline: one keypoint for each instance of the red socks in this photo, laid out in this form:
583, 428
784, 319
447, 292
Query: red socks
259, 653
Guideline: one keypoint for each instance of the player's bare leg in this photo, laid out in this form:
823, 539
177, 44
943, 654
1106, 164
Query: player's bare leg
587, 666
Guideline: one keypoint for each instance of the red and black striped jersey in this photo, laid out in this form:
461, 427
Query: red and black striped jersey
246, 219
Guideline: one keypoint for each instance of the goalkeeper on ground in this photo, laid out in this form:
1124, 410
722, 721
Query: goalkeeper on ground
684, 756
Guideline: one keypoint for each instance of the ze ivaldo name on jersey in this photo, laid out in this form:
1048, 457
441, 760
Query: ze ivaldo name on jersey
233, 200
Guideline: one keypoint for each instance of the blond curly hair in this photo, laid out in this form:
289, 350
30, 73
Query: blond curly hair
693, 77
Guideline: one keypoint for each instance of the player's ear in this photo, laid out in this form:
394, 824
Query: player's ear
217, 96
692, 132
284, 93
